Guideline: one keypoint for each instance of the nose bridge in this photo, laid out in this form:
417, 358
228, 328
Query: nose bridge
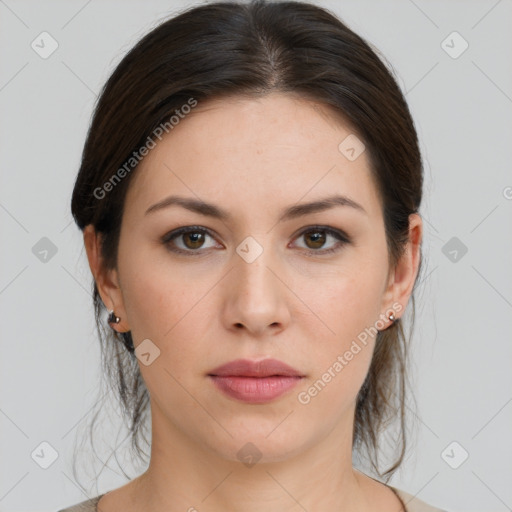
254, 259
256, 299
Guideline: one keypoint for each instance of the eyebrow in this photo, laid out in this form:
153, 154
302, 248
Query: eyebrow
292, 212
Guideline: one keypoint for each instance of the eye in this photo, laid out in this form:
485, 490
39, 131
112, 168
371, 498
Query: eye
191, 240
316, 237
187, 239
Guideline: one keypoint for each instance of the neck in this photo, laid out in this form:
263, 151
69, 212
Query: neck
187, 477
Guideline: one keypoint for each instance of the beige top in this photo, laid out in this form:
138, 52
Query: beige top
410, 503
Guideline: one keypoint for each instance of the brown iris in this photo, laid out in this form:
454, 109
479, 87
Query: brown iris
318, 238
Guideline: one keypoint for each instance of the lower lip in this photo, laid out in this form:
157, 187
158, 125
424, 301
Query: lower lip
255, 390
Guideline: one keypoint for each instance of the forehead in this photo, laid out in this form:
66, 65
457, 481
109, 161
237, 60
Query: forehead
283, 119
278, 147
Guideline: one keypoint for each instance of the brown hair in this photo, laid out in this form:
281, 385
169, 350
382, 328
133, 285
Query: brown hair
236, 48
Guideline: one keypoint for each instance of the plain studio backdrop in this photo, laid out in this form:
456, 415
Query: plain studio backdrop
453, 62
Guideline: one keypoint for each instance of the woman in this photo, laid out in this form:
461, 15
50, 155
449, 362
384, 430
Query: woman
249, 196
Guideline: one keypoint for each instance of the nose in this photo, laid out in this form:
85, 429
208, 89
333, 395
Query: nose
256, 295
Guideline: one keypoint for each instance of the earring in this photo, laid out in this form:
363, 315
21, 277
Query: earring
391, 317
112, 318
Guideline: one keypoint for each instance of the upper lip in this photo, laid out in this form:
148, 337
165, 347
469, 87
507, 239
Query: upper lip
249, 368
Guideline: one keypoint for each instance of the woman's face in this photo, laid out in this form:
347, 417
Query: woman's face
272, 278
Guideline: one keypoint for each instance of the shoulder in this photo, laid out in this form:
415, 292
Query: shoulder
83, 506
413, 504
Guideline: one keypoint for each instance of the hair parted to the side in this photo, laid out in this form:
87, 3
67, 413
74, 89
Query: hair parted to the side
253, 48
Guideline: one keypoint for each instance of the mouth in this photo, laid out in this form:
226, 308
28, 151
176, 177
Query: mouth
255, 390
255, 382
249, 368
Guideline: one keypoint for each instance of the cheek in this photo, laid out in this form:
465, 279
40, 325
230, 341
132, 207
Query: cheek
169, 306
155, 299
348, 305
342, 359
348, 302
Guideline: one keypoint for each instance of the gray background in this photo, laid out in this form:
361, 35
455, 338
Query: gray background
462, 345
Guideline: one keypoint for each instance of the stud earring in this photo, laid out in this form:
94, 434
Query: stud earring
112, 318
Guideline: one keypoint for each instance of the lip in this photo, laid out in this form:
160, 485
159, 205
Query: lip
249, 368
255, 382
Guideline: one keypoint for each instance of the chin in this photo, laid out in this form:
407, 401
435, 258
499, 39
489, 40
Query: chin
251, 447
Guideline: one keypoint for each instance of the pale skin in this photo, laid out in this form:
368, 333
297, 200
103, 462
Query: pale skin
253, 158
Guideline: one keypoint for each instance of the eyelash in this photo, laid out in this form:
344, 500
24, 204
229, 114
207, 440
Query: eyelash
342, 238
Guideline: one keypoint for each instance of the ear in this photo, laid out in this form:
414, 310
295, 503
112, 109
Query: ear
107, 280
402, 277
